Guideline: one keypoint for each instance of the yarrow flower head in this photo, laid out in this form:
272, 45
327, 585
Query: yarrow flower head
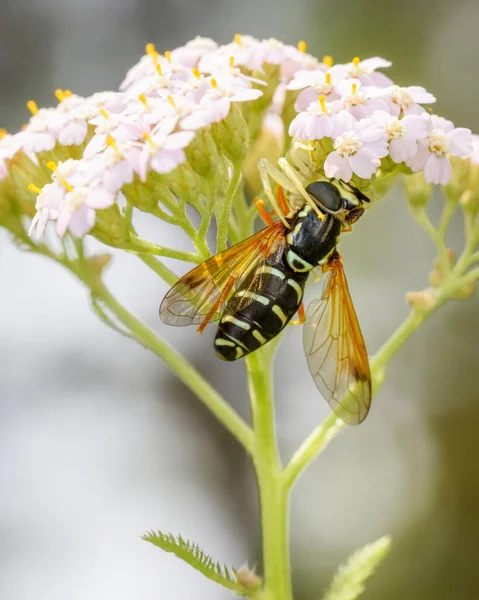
183, 121
357, 150
443, 139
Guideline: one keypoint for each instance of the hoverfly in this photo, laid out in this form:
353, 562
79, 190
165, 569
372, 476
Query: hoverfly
254, 289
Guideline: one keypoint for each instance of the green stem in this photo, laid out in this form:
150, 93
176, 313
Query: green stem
159, 268
273, 496
145, 247
331, 426
223, 220
188, 374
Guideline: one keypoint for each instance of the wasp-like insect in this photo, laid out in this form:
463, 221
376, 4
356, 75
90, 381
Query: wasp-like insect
255, 288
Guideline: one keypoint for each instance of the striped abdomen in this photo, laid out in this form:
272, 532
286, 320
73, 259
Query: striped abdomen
266, 315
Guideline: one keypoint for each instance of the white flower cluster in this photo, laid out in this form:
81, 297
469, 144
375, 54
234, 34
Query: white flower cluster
165, 99
369, 118
145, 126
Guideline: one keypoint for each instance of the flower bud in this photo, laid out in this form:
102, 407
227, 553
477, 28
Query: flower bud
465, 292
470, 196
424, 301
321, 149
232, 135
417, 190
437, 275
248, 579
203, 154
459, 178
185, 183
111, 228
267, 146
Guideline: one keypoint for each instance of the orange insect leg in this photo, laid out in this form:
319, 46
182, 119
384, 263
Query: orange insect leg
281, 200
217, 304
301, 316
263, 213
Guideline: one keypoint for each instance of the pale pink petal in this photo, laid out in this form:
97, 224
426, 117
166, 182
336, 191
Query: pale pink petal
218, 110
194, 121
373, 63
437, 169
245, 95
35, 220
378, 79
378, 147
143, 164
95, 145
62, 222
165, 127
39, 142
364, 163
441, 123
318, 127
305, 98
116, 176
73, 133
402, 149
337, 167
417, 162
460, 141
414, 109
419, 94
166, 160
82, 221
178, 140
343, 121
99, 198
298, 125
359, 112
381, 117
415, 126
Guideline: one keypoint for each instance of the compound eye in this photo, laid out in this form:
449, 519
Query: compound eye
326, 195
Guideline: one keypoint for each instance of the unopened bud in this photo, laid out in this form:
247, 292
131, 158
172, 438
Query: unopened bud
424, 301
203, 154
111, 228
457, 184
232, 135
248, 579
98, 262
437, 275
418, 191
470, 196
466, 291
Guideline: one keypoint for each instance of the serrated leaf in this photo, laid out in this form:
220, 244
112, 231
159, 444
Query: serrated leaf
348, 583
192, 554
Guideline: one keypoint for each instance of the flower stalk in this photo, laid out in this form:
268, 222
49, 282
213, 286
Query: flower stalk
180, 142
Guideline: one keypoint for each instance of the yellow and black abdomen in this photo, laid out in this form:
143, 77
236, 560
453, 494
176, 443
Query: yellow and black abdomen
264, 317
244, 327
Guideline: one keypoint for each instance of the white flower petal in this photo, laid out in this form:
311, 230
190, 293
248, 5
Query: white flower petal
460, 141
437, 169
364, 163
415, 126
99, 198
402, 149
178, 140
375, 62
82, 221
337, 167
167, 160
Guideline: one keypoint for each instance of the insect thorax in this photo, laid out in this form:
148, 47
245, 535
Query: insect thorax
310, 240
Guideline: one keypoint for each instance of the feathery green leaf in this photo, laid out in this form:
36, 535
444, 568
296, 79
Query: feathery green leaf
192, 554
348, 583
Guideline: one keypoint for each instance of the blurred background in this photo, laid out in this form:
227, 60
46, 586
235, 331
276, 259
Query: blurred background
99, 442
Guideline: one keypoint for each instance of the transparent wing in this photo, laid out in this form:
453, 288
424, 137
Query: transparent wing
335, 348
201, 295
